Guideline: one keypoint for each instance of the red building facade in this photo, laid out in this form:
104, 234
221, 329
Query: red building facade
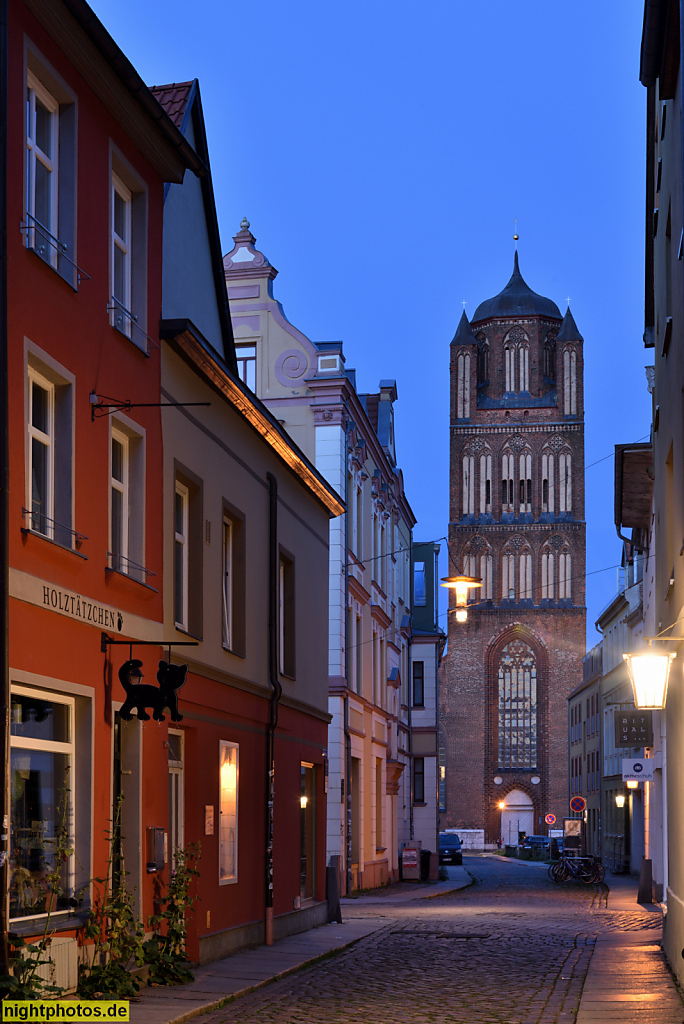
516, 521
96, 547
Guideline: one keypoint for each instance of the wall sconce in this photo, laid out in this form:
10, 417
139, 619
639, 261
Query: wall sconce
632, 784
303, 801
462, 584
501, 805
649, 672
620, 799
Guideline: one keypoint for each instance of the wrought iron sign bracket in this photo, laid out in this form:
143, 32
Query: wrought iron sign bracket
107, 641
103, 405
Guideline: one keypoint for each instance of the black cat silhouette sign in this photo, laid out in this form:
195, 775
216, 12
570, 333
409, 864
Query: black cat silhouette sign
144, 695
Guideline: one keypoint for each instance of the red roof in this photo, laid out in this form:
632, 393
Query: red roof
173, 98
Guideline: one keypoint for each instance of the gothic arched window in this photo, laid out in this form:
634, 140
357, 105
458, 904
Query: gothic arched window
565, 481
482, 358
508, 576
463, 386
485, 482
507, 478
524, 358
547, 581
468, 485
570, 381
517, 733
525, 481
565, 576
548, 494
525, 576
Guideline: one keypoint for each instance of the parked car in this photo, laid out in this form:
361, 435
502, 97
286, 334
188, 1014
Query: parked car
535, 843
450, 851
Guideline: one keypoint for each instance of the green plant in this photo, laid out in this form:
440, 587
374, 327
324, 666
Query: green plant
115, 929
165, 951
26, 981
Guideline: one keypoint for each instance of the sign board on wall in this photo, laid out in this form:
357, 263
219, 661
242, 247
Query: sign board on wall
638, 770
633, 728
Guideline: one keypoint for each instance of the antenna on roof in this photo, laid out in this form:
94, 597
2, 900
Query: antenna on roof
464, 303
516, 236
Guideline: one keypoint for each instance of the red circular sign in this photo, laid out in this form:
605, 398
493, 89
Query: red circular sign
578, 803
550, 819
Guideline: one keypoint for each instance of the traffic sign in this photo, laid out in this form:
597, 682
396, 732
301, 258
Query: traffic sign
550, 819
578, 803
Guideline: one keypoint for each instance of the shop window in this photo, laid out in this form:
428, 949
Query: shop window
42, 810
176, 760
307, 810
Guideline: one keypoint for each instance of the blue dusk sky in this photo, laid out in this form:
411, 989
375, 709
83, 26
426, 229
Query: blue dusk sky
382, 152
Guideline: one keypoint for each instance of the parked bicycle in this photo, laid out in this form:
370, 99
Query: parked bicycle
586, 869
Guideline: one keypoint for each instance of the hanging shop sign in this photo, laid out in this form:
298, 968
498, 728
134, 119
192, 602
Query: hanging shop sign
144, 695
633, 728
640, 769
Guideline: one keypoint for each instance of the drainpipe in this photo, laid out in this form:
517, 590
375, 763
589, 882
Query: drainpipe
347, 734
275, 696
4, 512
409, 701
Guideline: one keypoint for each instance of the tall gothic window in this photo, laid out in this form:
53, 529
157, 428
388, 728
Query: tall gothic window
549, 370
463, 386
508, 577
570, 381
486, 574
509, 367
482, 359
507, 475
548, 490
525, 586
524, 356
468, 485
547, 582
565, 575
565, 481
525, 486
517, 706
485, 483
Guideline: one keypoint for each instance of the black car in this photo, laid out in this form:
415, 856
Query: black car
535, 843
450, 848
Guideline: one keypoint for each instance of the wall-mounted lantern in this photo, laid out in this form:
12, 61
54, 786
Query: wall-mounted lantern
462, 584
632, 784
620, 800
649, 671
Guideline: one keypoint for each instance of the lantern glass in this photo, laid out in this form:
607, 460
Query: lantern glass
632, 784
649, 672
462, 584
620, 799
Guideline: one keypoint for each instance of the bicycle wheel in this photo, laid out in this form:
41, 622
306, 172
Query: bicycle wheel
599, 871
585, 873
553, 871
560, 871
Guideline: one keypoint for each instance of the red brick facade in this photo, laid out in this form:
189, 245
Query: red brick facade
516, 521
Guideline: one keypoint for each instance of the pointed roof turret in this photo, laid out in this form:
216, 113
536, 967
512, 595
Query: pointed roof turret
568, 331
463, 335
516, 299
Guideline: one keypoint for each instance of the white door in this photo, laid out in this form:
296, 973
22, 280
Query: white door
517, 816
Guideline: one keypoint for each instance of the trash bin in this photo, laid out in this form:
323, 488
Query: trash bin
425, 865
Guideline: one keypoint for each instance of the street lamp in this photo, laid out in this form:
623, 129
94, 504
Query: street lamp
649, 672
462, 584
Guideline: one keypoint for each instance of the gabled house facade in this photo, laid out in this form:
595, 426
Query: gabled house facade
350, 438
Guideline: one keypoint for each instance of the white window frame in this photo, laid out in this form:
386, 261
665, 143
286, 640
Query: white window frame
53, 747
48, 441
177, 787
247, 363
228, 844
121, 316
123, 487
34, 89
227, 582
182, 539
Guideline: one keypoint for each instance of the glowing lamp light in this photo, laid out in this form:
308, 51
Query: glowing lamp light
649, 671
501, 805
303, 801
462, 584
620, 800
632, 784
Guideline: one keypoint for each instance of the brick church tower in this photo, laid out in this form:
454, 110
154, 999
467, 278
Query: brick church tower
516, 521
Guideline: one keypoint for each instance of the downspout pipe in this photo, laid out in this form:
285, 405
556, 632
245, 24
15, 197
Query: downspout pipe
275, 695
347, 733
4, 509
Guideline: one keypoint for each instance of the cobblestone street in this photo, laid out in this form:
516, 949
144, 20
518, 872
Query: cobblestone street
512, 949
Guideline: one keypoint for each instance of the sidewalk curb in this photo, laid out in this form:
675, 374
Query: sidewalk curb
216, 1004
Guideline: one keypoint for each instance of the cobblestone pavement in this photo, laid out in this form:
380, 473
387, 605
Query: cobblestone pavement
512, 949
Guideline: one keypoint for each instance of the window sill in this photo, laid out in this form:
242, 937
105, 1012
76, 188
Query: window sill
186, 632
231, 650
419, 803
115, 574
290, 679
55, 269
62, 921
56, 543
142, 346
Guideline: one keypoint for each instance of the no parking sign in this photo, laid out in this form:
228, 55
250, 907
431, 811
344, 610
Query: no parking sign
550, 819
